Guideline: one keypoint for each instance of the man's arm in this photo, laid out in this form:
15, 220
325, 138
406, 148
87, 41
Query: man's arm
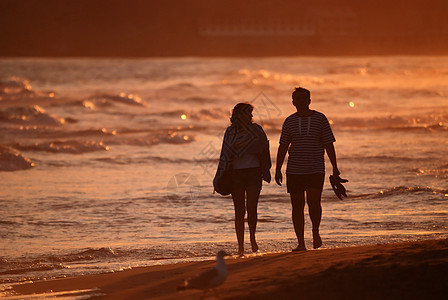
329, 148
281, 153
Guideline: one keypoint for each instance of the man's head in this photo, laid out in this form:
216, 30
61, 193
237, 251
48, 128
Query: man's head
301, 98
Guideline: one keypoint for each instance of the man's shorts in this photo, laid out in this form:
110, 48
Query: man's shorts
243, 178
298, 183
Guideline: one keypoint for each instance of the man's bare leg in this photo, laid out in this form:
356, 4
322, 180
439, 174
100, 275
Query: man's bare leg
298, 218
313, 198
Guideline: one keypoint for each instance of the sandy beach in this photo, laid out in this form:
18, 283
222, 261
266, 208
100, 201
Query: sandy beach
410, 270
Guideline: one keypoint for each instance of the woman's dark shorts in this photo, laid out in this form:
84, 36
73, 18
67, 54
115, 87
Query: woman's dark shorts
297, 183
243, 178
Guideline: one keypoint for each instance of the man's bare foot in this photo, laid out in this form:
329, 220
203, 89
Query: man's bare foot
317, 241
241, 252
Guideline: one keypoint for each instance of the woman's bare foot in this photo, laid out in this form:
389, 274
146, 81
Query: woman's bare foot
254, 245
299, 248
241, 252
317, 241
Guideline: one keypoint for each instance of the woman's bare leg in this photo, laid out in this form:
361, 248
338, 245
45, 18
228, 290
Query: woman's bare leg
253, 194
238, 196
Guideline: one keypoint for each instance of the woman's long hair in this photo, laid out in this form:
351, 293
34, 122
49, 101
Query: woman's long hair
240, 113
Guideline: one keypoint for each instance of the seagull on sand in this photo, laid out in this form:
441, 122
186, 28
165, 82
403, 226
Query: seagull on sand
209, 279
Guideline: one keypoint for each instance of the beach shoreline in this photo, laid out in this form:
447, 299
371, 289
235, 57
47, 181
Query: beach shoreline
415, 270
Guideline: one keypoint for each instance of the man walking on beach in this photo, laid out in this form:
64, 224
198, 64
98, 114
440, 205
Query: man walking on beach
307, 134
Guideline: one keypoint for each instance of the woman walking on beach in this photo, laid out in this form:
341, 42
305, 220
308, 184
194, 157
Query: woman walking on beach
245, 156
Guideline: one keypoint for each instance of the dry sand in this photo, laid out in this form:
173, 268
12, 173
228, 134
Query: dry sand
411, 270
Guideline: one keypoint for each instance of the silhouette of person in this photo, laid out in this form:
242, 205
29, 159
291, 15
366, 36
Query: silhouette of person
245, 150
305, 135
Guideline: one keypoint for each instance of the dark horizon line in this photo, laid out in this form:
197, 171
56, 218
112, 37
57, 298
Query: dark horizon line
438, 54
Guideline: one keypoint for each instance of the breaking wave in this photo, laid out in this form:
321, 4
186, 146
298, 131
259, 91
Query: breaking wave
430, 122
19, 269
401, 190
13, 160
106, 100
260, 76
15, 89
51, 132
203, 114
124, 160
39, 264
14, 85
33, 115
170, 137
73, 147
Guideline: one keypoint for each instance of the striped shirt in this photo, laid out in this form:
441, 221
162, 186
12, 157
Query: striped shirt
306, 137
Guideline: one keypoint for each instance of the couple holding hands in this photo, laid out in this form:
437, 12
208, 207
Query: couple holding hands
245, 161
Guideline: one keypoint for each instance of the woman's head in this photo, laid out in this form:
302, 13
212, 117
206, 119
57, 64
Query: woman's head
242, 112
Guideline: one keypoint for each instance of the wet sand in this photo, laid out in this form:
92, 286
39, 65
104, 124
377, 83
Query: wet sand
410, 270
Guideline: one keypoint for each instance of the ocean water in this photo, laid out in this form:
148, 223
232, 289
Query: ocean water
107, 164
